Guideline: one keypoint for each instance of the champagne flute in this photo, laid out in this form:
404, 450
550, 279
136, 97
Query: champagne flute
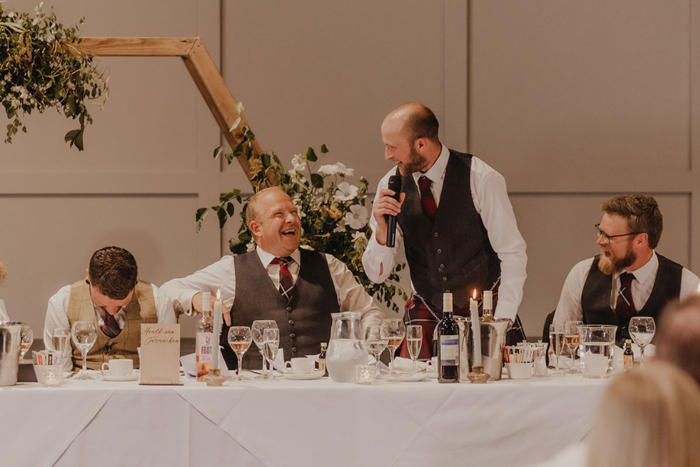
27, 340
556, 340
571, 339
258, 328
84, 335
61, 341
271, 338
239, 338
414, 337
376, 344
393, 330
642, 330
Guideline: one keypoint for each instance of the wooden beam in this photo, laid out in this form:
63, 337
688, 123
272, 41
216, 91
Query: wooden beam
137, 46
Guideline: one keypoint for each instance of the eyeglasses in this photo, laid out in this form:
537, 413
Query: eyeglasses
606, 237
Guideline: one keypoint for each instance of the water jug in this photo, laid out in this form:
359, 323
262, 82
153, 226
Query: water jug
346, 346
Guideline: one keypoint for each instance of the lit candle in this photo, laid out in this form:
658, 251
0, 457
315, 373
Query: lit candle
216, 332
476, 329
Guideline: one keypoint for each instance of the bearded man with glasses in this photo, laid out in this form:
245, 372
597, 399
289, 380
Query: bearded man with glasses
628, 278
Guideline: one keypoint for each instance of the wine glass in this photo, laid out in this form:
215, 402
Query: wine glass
393, 330
258, 328
61, 341
571, 339
556, 340
414, 338
376, 344
642, 330
239, 338
27, 340
271, 337
84, 335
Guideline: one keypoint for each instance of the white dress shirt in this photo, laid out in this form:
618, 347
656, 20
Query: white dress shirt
569, 306
222, 276
56, 316
3, 312
490, 196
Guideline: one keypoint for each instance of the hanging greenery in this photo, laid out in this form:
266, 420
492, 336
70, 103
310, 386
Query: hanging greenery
41, 68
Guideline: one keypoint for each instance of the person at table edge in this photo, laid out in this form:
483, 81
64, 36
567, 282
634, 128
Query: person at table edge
628, 278
469, 241
111, 295
250, 283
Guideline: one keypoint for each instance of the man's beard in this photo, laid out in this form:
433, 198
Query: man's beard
616, 264
415, 163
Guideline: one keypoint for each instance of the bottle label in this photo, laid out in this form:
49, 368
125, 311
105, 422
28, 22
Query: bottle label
449, 350
204, 346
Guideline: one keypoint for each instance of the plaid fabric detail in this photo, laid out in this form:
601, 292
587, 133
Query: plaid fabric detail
286, 279
111, 327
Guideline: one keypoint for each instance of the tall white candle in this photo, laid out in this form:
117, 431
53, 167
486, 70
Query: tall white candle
216, 332
488, 300
476, 329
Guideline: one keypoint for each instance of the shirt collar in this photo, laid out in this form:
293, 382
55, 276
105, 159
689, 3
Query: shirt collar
437, 171
266, 258
645, 271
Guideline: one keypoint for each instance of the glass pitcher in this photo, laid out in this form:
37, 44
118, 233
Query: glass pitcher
346, 346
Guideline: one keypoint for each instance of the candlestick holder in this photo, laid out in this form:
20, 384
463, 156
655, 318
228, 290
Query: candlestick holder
477, 375
214, 378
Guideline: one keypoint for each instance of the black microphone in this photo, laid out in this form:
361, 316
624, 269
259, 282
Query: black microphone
395, 186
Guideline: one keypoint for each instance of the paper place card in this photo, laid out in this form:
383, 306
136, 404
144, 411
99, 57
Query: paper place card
160, 354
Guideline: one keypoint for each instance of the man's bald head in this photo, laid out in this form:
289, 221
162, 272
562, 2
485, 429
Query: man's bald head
417, 121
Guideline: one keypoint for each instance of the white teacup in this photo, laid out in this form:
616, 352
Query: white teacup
118, 367
300, 366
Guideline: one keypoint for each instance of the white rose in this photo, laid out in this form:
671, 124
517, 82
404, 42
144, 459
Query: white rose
299, 162
329, 169
357, 217
345, 192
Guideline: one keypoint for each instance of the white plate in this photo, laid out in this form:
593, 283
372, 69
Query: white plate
315, 375
407, 377
132, 377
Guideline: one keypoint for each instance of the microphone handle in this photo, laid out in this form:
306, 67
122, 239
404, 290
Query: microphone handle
390, 231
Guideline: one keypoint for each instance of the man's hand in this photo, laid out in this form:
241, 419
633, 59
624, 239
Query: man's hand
197, 306
385, 205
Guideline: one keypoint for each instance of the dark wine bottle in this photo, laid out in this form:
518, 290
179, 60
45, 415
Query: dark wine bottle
448, 344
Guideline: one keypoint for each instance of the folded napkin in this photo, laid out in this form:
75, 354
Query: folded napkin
406, 364
189, 365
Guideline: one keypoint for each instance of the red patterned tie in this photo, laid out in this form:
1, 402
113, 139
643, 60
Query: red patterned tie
286, 279
111, 327
427, 201
624, 309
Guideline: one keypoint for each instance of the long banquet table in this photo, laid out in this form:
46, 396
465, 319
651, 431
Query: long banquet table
294, 423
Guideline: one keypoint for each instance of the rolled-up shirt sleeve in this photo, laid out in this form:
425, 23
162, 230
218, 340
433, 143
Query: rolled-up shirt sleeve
218, 276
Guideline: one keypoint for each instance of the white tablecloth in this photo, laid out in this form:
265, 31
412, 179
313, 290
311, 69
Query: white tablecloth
294, 423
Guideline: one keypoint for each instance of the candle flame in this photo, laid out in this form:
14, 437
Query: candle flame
218, 294
474, 295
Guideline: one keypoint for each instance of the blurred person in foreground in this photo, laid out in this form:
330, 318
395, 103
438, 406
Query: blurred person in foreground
455, 220
678, 339
3, 312
628, 278
112, 295
296, 287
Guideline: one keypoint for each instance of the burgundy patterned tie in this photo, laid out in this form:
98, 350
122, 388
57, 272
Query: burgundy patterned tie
624, 309
286, 279
427, 201
111, 327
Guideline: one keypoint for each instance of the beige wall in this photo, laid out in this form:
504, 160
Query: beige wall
572, 101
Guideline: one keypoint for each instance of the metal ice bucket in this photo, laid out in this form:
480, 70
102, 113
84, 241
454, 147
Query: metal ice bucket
493, 339
10, 343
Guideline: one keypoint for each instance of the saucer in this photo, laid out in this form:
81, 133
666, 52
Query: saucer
407, 377
315, 375
132, 377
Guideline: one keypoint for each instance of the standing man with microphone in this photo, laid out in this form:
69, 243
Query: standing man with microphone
456, 221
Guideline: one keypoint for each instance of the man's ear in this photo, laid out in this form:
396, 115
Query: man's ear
87, 275
642, 239
254, 229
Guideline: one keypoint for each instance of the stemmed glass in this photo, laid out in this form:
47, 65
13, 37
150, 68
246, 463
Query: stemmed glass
27, 340
258, 328
414, 337
84, 336
61, 341
556, 340
271, 337
642, 330
376, 344
393, 330
239, 338
571, 339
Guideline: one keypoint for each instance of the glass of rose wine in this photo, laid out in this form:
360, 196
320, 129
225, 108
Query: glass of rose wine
393, 330
571, 339
239, 338
556, 340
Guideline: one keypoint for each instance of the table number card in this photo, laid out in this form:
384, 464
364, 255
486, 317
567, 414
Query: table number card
160, 354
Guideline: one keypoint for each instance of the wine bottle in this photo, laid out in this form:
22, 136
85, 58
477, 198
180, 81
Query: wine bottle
204, 338
628, 355
487, 306
448, 344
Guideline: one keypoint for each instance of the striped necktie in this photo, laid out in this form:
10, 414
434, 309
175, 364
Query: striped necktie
111, 327
286, 279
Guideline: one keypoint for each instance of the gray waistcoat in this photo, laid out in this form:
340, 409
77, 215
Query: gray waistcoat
304, 322
453, 253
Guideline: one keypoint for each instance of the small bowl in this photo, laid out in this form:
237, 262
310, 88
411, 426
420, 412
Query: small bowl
519, 370
49, 375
